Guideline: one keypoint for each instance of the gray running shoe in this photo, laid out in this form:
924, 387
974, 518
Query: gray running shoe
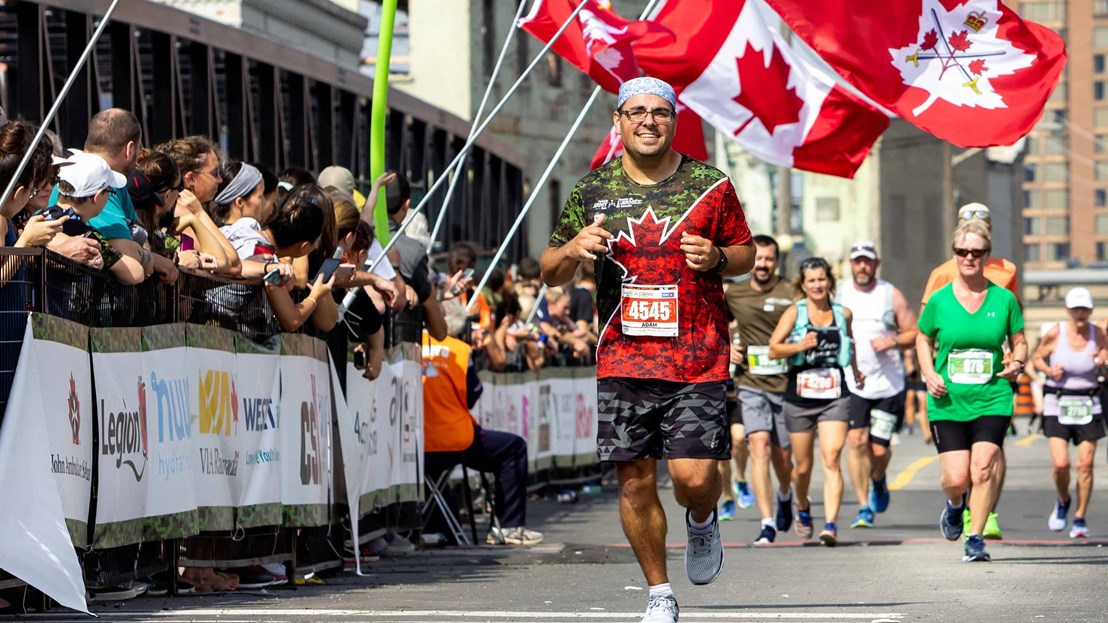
661, 609
704, 553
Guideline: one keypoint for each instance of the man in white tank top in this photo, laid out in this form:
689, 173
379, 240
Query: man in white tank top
884, 325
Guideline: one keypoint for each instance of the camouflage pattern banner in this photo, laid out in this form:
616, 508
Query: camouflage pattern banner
60, 394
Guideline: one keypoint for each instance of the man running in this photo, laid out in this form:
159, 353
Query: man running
757, 305
1069, 355
661, 229
883, 327
1002, 273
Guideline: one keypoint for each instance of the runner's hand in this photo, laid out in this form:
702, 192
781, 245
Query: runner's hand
810, 341
590, 241
1056, 372
738, 353
700, 253
1011, 371
882, 344
859, 379
936, 386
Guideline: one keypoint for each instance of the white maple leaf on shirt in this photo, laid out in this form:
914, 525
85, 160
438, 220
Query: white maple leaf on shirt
957, 53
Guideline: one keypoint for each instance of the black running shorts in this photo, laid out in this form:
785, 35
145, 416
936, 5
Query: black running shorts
953, 436
1075, 433
642, 418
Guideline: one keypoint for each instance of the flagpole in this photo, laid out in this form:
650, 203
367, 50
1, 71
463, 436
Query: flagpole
542, 180
476, 118
377, 113
348, 300
10, 188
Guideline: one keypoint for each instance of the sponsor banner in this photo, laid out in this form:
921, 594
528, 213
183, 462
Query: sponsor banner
37, 546
59, 388
367, 437
554, 410
215, 417
170, 386
407, 390
258, 384
123, 452
305, 407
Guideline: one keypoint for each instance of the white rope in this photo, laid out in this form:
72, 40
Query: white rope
58, 102
476, 118
348, 300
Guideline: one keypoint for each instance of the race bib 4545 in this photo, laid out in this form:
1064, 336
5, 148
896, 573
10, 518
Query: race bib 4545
649, 310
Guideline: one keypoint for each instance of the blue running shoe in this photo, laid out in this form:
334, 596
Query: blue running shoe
829, 537
975, 549
804, 524
864, 519
950, 522
745, 497
784, 519
1057, 520
766, 536
879, 495
727, 510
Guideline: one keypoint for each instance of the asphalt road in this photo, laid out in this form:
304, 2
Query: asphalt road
900, 570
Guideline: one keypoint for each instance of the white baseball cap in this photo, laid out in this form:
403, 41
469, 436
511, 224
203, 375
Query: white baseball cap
863, 248
1079, 297
88, 174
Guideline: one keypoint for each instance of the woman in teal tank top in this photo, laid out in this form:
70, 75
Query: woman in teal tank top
960, 345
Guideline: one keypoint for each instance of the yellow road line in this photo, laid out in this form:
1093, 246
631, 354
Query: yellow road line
905, 476
1028, 440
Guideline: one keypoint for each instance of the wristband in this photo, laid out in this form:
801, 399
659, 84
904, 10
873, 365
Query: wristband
722, 263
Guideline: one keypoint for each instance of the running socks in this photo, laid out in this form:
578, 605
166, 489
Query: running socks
768, 521
785, 497
661, 590
701, 526
952, 507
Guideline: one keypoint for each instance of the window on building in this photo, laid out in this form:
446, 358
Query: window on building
554, 69
1059, 251
1100, 143
1101, 249
488, 41
1100, 37
1056, 199
1057, 145
1054, 172
1029, 171
1098, 90
1032, 226
1027, 198
1100, 8
1098, 63
1057, 225
1058, 96
827, 209
1032, 252
1102, 170
1059, 117
1102, 224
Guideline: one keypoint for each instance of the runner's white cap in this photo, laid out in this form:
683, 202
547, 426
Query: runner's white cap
863, 248
1079, 297
88, 174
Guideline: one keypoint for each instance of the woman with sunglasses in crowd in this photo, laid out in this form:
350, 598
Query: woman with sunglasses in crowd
200, 181
963, 329
814, 335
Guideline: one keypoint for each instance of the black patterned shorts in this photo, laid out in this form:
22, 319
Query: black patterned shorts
641, 418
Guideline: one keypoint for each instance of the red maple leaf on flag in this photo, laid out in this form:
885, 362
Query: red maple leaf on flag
765, 91
929, 40
641, 250
959, 41
977, 66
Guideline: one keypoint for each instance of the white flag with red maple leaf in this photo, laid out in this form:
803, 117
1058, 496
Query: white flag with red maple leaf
971, 72
743, 79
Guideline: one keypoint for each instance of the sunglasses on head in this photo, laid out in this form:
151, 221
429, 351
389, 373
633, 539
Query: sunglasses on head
966, 215
974, 253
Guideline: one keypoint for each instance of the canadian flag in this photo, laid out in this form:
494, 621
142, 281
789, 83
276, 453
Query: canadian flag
968, 71
599, 44
740, 76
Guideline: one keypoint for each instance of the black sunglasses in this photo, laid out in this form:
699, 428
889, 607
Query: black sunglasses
974, 253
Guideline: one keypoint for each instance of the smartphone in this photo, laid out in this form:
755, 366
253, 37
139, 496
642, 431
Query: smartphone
468, 273
55, 212
273, 277
359, 359
327, 268
344, 272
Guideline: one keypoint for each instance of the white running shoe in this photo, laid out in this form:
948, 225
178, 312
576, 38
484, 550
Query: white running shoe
1057, 520
1080, 530
704, 553
661, 609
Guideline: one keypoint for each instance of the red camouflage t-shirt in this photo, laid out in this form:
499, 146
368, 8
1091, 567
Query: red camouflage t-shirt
647, 222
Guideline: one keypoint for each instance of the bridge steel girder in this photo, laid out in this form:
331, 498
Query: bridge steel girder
260, 100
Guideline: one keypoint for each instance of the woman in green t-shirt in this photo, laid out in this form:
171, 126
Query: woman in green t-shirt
963, 330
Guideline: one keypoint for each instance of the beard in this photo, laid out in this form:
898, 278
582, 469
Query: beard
762, 276
863, 280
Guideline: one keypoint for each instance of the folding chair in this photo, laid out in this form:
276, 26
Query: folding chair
436, 499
